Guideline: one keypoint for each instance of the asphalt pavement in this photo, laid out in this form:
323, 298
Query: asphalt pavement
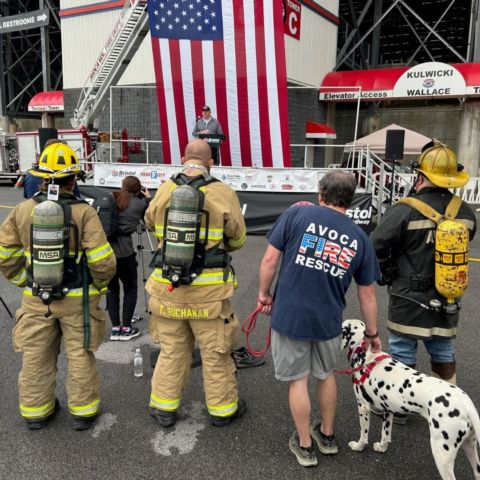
127, 444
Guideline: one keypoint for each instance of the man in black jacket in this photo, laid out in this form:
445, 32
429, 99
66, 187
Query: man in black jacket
405, 245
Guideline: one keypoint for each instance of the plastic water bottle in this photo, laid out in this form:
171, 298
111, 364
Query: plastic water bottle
138, 364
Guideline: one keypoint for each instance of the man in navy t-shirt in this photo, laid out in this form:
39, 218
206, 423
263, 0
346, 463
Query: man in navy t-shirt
321, 250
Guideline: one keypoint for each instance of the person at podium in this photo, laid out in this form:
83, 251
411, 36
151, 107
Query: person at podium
208, 125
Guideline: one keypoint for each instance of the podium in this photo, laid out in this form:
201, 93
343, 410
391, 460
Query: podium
214, 140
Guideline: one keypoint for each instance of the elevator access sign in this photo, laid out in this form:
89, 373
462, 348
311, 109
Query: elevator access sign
25, 21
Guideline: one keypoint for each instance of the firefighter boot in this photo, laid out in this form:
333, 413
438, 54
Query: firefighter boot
83, 423
164, 418
39, 423
223, 421
445, 371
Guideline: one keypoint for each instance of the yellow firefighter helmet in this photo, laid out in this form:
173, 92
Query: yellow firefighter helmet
57, 160
439, 164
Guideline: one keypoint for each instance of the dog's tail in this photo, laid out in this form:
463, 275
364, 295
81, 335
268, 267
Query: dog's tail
473, 417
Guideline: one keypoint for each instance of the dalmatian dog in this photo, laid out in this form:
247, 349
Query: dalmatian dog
388, 385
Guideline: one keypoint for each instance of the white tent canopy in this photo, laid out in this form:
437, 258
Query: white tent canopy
376, 141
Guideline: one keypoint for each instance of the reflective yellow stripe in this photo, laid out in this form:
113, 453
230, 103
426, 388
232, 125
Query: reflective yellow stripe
37, 412
99, 253
7, 252
85, 410
211, 278
20, 278
223, 410
74, 292
169, 404
214, 234
422, 332
238, 243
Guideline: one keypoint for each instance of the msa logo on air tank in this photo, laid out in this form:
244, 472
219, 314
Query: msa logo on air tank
49, 255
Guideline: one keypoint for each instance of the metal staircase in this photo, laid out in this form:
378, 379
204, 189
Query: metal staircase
374, 176
124, 41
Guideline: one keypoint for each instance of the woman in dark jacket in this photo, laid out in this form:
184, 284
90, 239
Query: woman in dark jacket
132, 201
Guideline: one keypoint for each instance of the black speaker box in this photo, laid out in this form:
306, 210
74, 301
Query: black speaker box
394, 145
46, 134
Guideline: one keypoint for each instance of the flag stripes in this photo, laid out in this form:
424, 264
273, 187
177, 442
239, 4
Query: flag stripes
242, 77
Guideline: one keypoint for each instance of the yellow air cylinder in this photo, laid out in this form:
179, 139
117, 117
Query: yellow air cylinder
451, 259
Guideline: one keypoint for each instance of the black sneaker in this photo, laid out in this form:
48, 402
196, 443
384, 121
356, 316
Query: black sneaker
305, 455
326, 443
137, 318
83, 423
243, 359
223, 421
39, 423
127, 335
163, 417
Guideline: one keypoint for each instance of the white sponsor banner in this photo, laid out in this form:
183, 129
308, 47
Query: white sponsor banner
241, 179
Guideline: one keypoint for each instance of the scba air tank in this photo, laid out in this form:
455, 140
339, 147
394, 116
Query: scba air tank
182, 222
48, 237
451, 259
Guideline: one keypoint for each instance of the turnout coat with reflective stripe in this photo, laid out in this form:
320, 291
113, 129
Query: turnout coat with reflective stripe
404, 231
226, 230
15, 247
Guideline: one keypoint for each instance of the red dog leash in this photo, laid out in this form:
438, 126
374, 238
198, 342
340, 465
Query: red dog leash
248, 326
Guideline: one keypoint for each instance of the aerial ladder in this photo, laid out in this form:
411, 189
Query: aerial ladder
121, 46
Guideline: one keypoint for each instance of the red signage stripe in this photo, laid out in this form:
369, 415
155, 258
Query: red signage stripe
322, 11
99, 7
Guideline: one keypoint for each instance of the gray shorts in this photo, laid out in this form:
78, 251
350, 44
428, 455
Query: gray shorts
294, 359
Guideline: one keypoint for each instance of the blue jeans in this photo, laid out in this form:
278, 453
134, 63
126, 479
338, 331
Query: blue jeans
404, 349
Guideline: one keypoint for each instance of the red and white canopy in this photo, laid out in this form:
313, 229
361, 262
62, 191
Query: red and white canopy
47, 102
319, 130
426, 80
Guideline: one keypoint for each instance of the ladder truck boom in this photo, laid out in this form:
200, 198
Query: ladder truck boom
121, 46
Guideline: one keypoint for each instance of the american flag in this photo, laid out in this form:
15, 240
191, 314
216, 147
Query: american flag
230, 55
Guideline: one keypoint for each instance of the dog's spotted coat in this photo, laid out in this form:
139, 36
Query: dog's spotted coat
396, 388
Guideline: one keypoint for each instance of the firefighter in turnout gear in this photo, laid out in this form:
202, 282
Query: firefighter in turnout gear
85, 263
190, 299
405, 244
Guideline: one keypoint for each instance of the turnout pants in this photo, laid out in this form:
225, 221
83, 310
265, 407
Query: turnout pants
38, 338
216, 338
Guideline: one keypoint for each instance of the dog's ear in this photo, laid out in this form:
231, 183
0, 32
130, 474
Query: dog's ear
347, 334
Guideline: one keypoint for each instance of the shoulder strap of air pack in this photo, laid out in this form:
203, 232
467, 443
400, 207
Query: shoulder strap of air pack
427, 211
196, 182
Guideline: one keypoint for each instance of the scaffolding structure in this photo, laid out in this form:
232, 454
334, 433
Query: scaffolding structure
386, 33
30, 60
